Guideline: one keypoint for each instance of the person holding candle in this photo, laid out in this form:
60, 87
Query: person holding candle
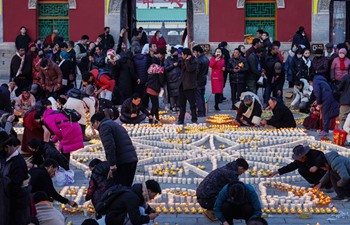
210, 187
282, 116
120, 152
237, 201
305, 161
131, 110
337, 169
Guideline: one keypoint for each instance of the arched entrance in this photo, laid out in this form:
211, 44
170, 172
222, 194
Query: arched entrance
128, 16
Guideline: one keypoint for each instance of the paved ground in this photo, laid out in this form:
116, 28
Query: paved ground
200, 219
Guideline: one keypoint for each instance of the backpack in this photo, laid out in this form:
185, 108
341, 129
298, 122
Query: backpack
103, 71
71, 114
108, 197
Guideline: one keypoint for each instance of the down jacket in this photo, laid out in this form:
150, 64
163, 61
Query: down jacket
117, 143
339, 164
98, 183
68, 133
48, 151
141, 67
216, 180
173, 75
240, 76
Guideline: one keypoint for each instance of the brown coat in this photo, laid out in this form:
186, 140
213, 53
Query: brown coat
51, 77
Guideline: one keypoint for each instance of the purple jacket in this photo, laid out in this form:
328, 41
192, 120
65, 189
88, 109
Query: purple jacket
68, 133
336, 72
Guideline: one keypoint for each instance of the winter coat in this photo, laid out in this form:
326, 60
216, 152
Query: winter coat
24, 104
189, 74
299, 39
344, 89
161, 43
68, 133
32, 129
141, 67
26, 69
99, 61
241, 76
269, 66
282, 117
67, 70
202, 73
251, 197
256, 112
41, 181
255, 67
117, 143
107, 41
126, 201
314, 158
51, 77
98, 183
48, 151
80, 106
22, 41
320, 66
288, 66
104, 82
216, 180
129, 108
156, 78
336, 72
173, 75
324, 97
306, 71
300, 94
217, 75
340, 165
48, 215
5, 100
127, 76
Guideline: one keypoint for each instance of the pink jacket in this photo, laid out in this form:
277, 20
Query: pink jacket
336, 72
68, 133
217, 75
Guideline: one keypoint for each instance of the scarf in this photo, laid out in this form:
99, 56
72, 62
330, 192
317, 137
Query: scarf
249, 111
19, 72
307, 62
342, 63
145, 192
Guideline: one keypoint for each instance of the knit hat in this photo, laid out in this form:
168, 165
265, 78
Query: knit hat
153, 186
300, 151
64, 55
39, 197
342, 50
34, 88
319, 51
329, 45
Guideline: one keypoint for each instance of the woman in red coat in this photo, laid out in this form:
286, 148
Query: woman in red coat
32, 129
159, 40
217, 64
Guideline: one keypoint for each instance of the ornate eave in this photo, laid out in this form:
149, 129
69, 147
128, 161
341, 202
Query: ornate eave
280, 4
33, 4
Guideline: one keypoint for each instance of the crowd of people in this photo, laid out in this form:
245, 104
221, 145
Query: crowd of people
43, 90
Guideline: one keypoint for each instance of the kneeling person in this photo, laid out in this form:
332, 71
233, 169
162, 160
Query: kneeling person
237, 201
249, 112
131, 109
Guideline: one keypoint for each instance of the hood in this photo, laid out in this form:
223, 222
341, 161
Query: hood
330, 156
137, 188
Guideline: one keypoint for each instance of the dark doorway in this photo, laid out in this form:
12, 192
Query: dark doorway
339, 21
128, 18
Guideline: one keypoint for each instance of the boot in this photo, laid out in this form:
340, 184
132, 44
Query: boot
210, 215
216, 107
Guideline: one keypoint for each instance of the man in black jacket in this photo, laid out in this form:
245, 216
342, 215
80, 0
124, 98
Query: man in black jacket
305, 161
255, 69
131, 109
23, 40
107, 40
202, 76
21, 69
282, 116
14, 189
188, 85
120, 152
41, 180
44, 150
128, 204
